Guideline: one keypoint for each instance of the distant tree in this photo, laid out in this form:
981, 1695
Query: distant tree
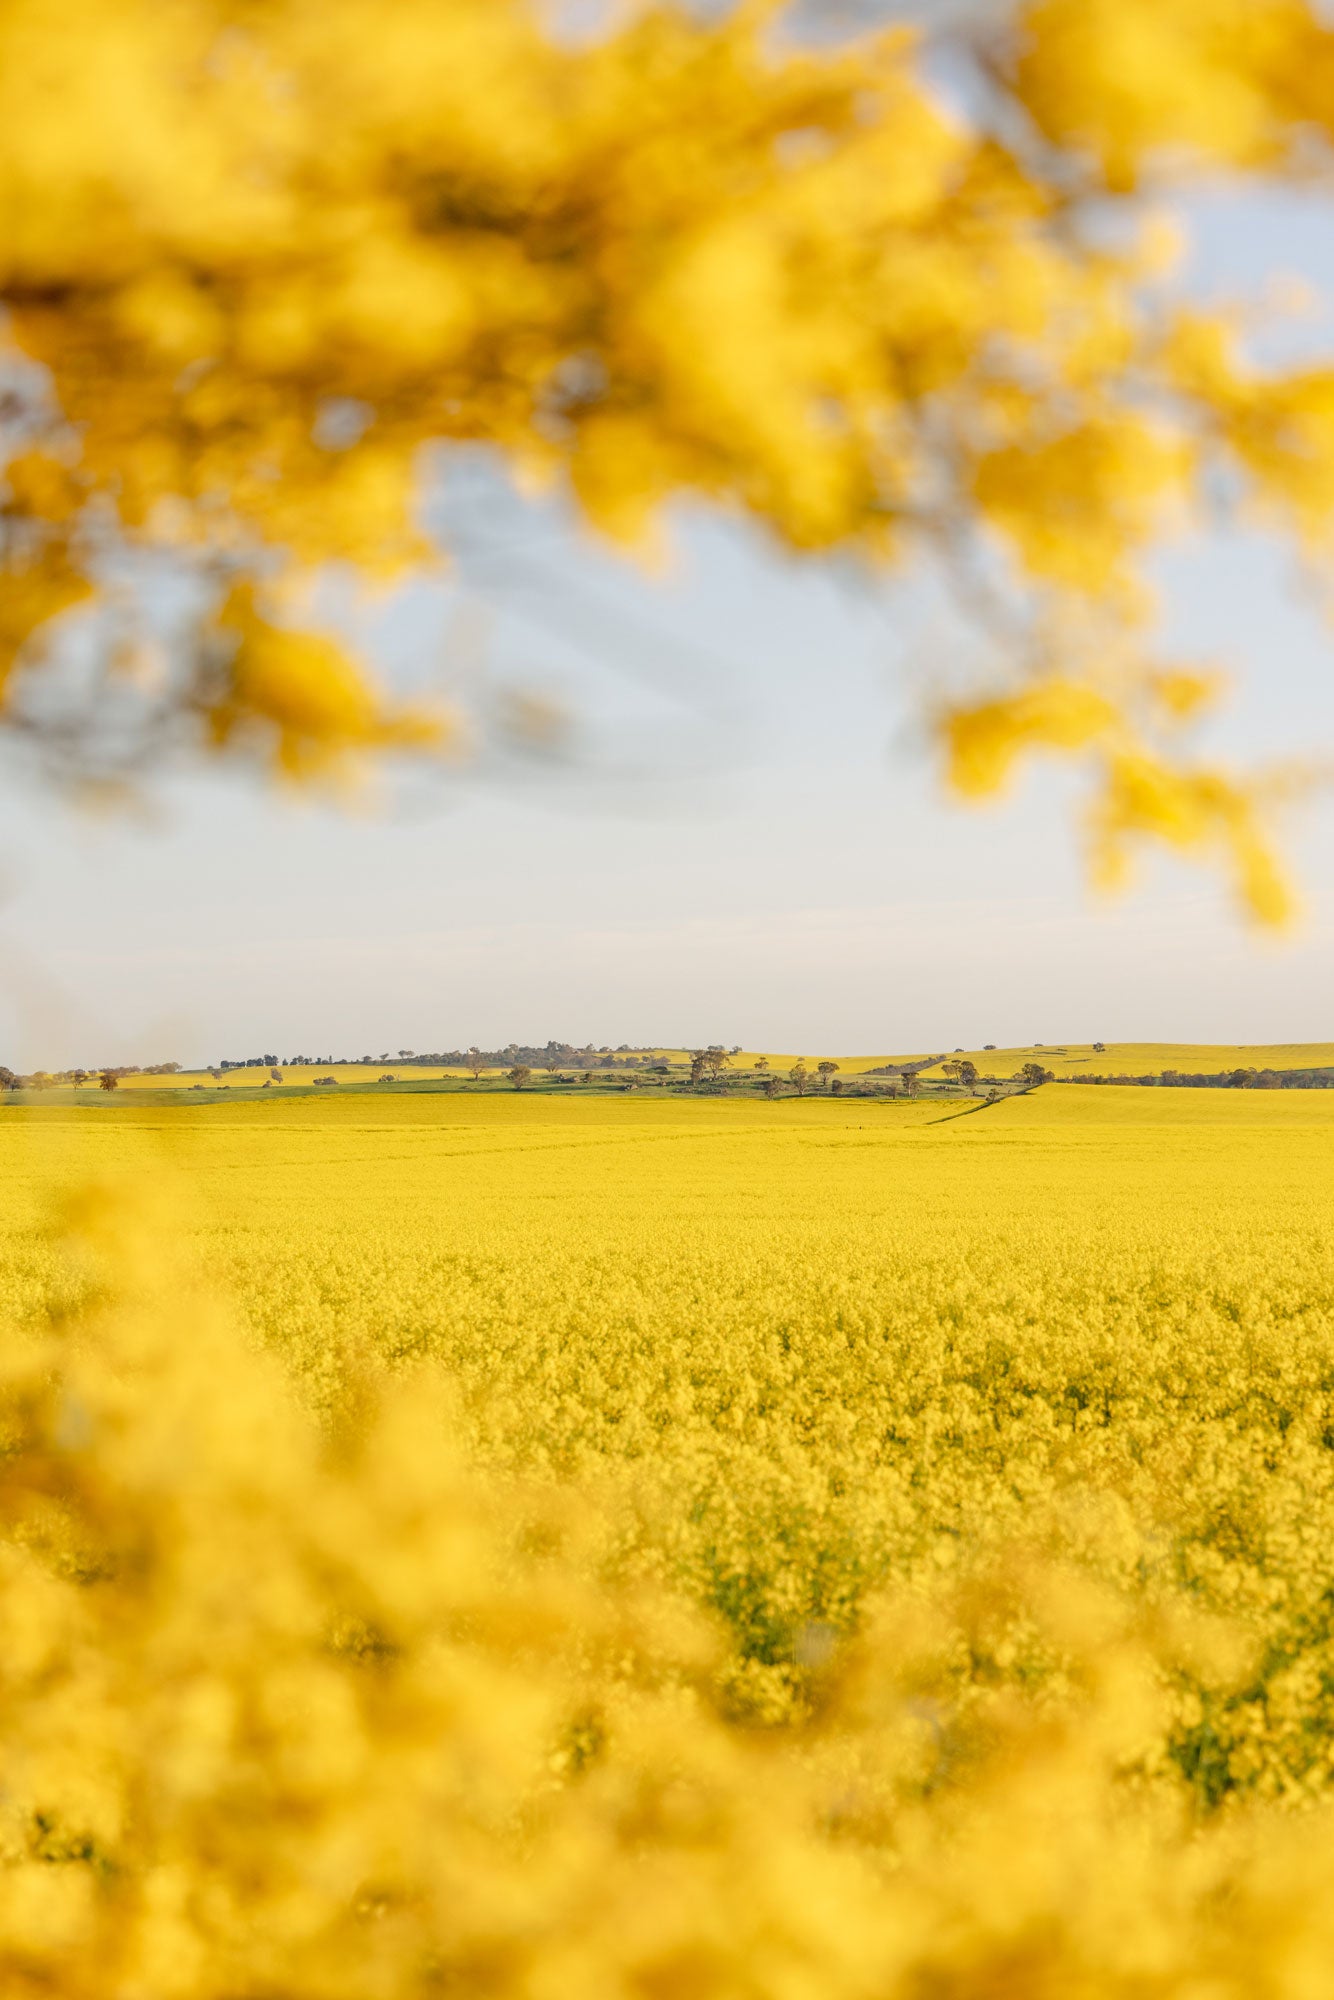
78, 1077
520, 1076
825, 1069
1100, 1048
8, 1080
699, 1059
770, 1086
761, 1064
405, 1055
388, 1077
1033, 1074
716, 1060
800, 1076
109, 1080
950, 1070
967, 1073
276, 1074
912, 1083
837, 1086
475, 1063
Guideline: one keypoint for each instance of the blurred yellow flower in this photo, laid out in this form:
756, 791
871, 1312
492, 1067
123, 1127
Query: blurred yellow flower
829, 1593
678, 258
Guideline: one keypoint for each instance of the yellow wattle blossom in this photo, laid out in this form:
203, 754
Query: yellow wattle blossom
1188, 810
303, 697
1138, 86
1075, 504
985, 739
1140, 793
258, 269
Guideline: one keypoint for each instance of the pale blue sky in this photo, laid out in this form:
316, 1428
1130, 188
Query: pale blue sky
744, 842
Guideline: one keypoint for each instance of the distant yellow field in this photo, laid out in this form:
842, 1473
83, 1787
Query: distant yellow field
303, 1075
1150, 1058
1064, 1059
1068, 1058
1117, 1058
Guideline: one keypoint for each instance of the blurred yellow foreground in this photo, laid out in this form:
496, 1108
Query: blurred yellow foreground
552, 1548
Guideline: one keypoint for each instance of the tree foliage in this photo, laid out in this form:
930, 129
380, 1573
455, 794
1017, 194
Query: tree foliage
260, 260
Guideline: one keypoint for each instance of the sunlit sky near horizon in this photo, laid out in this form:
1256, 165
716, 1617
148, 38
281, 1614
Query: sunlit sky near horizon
742, 841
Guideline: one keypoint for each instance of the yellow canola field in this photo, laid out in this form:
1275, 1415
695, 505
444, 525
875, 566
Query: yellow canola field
539, 1547
302, 1074
1064, 1059
1069, 1059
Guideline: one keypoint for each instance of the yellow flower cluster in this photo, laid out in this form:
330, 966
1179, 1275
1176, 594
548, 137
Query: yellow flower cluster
258, 263
1142, 790
786, 1550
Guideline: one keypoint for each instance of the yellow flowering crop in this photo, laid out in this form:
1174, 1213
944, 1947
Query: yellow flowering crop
542, 1547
